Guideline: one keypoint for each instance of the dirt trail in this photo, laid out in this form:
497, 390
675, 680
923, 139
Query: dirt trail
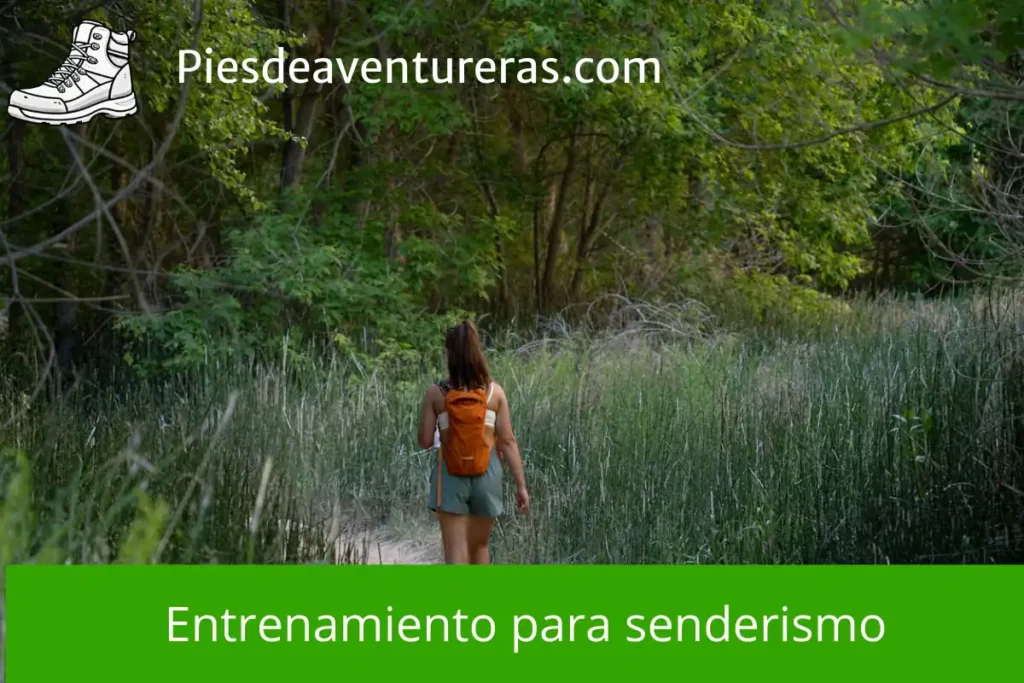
354, 545
409, 542
420, 551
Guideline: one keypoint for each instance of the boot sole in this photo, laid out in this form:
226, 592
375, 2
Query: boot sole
112, 109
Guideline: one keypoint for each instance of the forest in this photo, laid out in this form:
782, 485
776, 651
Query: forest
764, 308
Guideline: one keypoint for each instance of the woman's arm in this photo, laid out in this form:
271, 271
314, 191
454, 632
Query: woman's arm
428, 417
509, 448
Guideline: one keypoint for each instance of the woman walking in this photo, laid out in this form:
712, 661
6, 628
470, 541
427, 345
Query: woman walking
466, 417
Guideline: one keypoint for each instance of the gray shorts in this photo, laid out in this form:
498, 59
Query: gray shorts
479, 496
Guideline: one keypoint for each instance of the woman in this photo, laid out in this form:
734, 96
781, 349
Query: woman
466, 506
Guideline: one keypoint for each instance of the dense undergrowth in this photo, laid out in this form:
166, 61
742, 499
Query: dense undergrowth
892, 434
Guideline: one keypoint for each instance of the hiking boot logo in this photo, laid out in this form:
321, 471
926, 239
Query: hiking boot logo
95, 79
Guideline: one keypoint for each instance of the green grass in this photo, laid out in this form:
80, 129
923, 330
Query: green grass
893, 435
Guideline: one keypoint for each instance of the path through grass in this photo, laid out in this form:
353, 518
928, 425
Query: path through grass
894, 437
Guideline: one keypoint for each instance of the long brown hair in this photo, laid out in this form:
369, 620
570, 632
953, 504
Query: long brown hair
467, 367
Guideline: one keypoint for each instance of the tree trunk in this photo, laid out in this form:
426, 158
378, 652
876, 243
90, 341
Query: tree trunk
393, 231
554, 239
501, 303
15, 195
588, 236
295, 152
287, 115
145, 255
16, 167
152, 212
588, 191
518, 133
536, 258
309, 102
65, 334
118, 180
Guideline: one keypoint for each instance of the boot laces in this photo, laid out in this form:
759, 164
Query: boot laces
72, 64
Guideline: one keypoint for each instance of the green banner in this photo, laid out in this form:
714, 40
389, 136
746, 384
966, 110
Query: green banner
296, 623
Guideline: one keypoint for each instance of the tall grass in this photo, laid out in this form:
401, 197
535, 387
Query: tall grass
893, 436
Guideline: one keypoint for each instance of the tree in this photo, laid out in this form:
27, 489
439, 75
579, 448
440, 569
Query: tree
755, 161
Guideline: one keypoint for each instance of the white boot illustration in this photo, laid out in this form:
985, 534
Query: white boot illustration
94, 79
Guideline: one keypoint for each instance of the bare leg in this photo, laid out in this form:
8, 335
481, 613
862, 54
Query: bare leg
454, 537
479, 539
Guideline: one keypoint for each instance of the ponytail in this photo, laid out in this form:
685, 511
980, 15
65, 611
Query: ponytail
467, 366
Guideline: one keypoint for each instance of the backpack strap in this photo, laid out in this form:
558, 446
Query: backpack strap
491, 417
442, 418
442, 424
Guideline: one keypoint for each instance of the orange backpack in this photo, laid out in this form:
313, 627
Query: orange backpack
467, 431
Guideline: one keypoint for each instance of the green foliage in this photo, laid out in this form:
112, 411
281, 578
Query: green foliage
16, 521
761, 174
743, 299
289, 282
791, 148
143, 538
220, 121
944, 38
22, 540
946, 219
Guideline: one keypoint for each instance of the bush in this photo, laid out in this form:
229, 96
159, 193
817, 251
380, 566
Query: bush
290, 285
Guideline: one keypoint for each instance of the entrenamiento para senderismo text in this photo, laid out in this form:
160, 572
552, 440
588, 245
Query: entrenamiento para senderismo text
186, 626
